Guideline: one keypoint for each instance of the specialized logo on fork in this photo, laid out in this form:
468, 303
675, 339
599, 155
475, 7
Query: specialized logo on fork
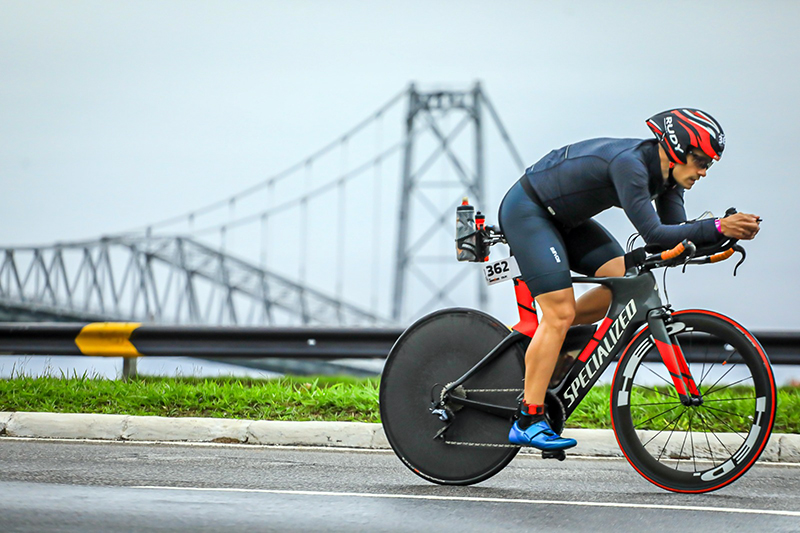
604, 348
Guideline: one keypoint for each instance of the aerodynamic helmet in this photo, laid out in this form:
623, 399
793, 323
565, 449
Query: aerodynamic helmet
684, 128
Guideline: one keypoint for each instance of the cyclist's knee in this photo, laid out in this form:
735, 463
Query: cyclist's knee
557, 309
561, 317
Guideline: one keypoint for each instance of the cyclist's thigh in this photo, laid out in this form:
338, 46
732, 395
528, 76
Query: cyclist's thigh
590, 246
536, 243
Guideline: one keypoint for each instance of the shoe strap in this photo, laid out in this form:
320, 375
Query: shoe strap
545, 430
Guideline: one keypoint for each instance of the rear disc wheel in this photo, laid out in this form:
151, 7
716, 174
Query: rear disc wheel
433, 352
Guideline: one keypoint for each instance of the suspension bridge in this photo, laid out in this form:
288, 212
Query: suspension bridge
359, 233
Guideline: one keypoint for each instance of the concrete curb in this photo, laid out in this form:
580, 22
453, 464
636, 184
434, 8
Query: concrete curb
783, 448
65, 425
184, 429
4, 418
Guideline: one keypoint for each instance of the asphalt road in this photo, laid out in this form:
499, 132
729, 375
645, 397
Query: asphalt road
78, 486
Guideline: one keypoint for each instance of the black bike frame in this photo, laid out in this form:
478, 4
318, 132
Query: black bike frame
635, 302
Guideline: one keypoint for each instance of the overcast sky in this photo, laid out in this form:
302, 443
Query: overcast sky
117, 114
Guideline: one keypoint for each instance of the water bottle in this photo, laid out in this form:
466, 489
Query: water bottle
480, 225
466, 232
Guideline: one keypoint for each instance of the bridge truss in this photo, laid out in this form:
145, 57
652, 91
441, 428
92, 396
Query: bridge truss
173, 280
310, 245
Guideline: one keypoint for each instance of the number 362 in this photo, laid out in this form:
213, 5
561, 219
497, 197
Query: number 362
497, 268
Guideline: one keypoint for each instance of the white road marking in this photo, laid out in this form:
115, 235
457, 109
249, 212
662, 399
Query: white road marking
526, 453
179, 443
486, 500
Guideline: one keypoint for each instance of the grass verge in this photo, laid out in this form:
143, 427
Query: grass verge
321, 398
288, 398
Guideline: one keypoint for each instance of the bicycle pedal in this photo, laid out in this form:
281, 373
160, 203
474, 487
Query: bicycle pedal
554, 454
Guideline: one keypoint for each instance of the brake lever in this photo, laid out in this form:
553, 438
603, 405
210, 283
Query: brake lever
740, 249
692, 250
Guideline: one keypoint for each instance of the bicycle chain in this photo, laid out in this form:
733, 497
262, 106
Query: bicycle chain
480, 444
492, 390
484, 444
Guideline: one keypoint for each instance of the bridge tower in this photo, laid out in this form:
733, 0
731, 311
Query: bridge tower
447, 128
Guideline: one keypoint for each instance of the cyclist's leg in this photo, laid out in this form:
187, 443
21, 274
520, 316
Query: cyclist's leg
538, 246
593, 251
537, 243
556, 312
593, 304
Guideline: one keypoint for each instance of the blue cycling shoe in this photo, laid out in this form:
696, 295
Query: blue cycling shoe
539, 435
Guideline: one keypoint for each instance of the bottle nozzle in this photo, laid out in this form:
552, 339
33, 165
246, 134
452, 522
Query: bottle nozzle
465, 201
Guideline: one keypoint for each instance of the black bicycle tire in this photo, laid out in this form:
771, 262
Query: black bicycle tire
723, 470
439, 348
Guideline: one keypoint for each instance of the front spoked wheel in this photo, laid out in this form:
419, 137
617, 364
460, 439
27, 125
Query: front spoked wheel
697, 448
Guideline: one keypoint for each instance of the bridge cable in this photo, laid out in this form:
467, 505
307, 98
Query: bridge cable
309, 178
376, 213
340, 238
503, 132
322, 189
276, 177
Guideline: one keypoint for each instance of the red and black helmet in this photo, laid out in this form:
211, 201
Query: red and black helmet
684, 128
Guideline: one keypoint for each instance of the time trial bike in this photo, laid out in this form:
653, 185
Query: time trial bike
693, 396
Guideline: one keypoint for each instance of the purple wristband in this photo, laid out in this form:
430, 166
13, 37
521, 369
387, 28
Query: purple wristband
718, 224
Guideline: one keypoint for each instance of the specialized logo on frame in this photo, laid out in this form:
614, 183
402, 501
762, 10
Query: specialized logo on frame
601, 352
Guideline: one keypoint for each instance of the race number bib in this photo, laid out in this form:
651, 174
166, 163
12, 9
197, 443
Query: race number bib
502, 270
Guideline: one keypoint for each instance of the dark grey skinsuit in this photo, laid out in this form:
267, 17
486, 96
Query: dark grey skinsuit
547, 220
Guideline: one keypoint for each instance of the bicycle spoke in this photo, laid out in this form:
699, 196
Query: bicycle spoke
659, 376
671, 433
685, 435
721, 377
725, 423
750, 398
710, 367
718, 410
656, 390
716, 437
665, 427
702, 370
728, 386
656, 403
705, 358
708, 442
656, 416
691, 439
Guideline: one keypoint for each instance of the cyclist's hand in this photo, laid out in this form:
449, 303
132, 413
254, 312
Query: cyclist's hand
740, 226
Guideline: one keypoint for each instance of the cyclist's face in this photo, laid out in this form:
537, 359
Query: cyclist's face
695, 168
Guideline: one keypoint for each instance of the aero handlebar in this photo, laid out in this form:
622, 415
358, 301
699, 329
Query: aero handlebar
684, 253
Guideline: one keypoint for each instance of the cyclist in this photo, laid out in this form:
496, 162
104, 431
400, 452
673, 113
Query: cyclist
547, 220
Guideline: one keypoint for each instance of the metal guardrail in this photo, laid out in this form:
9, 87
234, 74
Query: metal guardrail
125, 339
782, 347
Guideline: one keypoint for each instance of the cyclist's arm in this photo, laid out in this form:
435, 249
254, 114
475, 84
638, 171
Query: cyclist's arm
631, 182
670, 207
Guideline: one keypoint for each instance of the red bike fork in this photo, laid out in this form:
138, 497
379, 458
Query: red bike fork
672, 356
